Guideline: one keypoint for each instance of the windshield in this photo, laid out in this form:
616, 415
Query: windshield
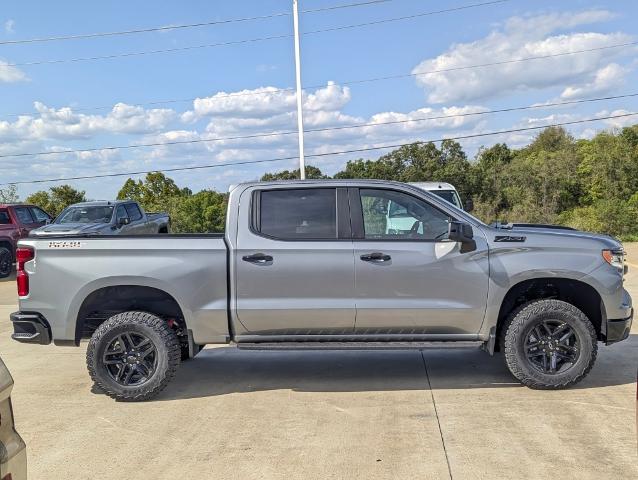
98, 214
449, 196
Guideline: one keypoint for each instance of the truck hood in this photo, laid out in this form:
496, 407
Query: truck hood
69, 229
553, 233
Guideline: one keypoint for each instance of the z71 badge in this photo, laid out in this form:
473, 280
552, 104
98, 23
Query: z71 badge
65, 244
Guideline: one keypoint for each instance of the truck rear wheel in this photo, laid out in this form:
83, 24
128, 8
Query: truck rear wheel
549, 344
6, 262
133, 355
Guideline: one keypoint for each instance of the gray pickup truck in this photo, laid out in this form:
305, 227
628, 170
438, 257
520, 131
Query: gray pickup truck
121, 217
315, 265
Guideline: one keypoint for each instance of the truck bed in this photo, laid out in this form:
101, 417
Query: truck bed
171, 263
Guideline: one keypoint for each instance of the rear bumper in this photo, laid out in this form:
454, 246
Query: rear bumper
618, 329
30, 328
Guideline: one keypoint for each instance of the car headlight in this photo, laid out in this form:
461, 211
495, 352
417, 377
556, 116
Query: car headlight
615, 258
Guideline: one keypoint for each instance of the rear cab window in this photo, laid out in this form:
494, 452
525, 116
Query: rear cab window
296, 214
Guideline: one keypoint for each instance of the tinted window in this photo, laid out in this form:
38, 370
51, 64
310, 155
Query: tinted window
88, 214
40, 215
448, 196
24, 215
121, 213
309, 213
4, 217
389, 215
133, 211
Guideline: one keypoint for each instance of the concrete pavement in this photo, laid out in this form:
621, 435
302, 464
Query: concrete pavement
260, 415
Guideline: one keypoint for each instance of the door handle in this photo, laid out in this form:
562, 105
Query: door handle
375, 257
258, 258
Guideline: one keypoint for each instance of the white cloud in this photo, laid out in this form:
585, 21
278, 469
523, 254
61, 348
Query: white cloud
621, 121
605, 79
9, 26
523, 37
64, 123
9, 74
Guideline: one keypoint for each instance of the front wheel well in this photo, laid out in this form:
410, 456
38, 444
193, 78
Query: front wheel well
102, 304
577, 293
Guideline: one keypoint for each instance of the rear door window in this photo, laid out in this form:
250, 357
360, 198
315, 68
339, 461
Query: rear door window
39, 215
133, 211
24, 215
298, 214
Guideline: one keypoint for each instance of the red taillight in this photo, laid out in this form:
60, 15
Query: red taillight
23, 255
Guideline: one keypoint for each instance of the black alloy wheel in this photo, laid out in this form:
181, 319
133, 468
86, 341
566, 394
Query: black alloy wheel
552, 346
130, 359
6, 262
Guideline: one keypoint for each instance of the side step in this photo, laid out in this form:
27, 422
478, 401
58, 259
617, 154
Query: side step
356, 345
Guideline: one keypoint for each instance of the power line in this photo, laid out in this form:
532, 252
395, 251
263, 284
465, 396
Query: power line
248, 40
323, 129
182, 26
316, 130
363, 80
317, 155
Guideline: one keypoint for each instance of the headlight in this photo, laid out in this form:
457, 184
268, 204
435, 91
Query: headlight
615, 258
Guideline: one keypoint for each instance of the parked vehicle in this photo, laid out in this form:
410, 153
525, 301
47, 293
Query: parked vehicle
446, 191
122, 217
13, 453
283, 276
16, 221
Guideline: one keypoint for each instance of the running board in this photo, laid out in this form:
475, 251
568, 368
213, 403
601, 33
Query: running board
356, 345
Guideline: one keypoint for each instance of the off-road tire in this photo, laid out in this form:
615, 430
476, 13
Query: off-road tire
152, 327
6, 262
519, 324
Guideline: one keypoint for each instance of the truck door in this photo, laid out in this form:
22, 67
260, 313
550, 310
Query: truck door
294, 269
412, 280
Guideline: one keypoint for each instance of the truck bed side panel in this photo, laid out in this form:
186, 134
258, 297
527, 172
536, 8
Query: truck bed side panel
190, 269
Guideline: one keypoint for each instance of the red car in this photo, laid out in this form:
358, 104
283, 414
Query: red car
16, 221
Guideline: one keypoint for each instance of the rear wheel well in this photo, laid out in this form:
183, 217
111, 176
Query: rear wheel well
102, 304
577, 293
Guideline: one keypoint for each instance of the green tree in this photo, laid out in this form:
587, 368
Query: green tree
312, 173
153, 193
203, 212
57, 198
9, 194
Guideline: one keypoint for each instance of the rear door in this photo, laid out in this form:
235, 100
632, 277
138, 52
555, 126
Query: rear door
409, 278
137, 226
294, 262
26, 220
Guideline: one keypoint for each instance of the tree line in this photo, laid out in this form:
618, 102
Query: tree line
590, 184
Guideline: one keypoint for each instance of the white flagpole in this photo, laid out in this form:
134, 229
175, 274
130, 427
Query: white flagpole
302, 161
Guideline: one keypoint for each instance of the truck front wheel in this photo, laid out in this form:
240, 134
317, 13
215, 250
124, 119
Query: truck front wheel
549, 344
133, 355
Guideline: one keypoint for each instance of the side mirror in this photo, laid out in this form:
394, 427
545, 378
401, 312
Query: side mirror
123, 221
48, 221
460, 232
469, 205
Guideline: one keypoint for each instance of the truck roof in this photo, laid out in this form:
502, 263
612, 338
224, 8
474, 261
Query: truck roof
100, 203
433, 185
328, 181
7, 205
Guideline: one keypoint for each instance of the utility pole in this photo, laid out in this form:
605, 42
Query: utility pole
302, 161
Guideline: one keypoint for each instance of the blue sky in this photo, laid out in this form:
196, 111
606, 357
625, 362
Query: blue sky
56, 100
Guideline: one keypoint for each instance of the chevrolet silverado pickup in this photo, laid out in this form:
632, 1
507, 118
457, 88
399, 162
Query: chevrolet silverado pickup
120, 217
315, 265
16, 221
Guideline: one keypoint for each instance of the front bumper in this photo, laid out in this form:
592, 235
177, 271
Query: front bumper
618, 329
30, 328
